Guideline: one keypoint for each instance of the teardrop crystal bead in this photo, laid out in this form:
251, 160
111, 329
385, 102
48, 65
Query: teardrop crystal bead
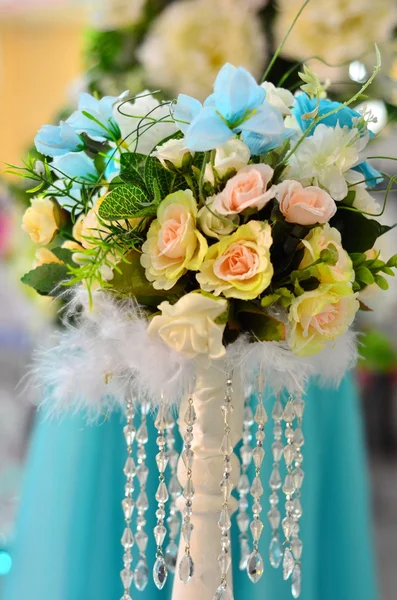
287, 525
258, 454
227, 488
128, 507
129, 434
256, 488
188, 490
141, 575
226, 446
160, 572
187, 457
142, 435
260, 414
243, 485
275, 479
127, 577
224, 520
296, 581
129, 467
186, 569
274, 517
256, 529
277, 411
162, 492
243, 522
171, 555
255, 567
298, 508
277, 450
297, 547
141, 539
190, 416
289, 485
223, 593
161, 421
298, 476
187, 530
224, 562
289, 453
142, 502
174, 487
299, 440
127, 539
299, 406
289, 412
288, 564
275, 552
159, 534
246, 454
142, 473
244, 554
161, 460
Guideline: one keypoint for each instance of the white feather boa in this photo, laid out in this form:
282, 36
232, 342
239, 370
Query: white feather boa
107, 353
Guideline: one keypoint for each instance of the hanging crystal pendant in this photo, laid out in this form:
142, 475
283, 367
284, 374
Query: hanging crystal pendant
243, 484
160, 571
186, 566
174, 489
127, 539
141, 572
224, 560
274, 516
255, 562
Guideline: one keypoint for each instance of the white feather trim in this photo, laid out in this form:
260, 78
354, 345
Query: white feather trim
108, 353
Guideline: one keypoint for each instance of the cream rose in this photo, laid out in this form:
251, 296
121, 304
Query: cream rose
239, 265
321, 238
321, 315
233, 154
304, 205
190, 326
41, 220
279, 97
173, 151
248, 189
215, 225
173, 243
44, 256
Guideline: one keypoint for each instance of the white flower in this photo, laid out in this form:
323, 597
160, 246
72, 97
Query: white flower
363, 199
190, 327
233, 154
108, 15
190, 41
336, 31
279, 97
323, 159
215, 225
130, 117
172, 151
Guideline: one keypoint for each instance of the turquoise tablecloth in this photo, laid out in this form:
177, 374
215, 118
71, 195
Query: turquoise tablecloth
67, 544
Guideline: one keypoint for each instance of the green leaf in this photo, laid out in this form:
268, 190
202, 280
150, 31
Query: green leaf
364, 307
125, 202
388, 271
64, 255
349, 200
46, 278
363, 274
156, 176
264, 327
359, 234
392, 262
131, 281
269, 300
358, 258
132, 168
381, 282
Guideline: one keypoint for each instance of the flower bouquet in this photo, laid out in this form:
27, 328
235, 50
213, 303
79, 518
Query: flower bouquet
206, 251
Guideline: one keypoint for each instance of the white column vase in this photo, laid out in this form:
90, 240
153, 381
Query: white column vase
208, 397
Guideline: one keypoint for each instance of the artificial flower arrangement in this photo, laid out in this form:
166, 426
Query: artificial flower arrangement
206, 246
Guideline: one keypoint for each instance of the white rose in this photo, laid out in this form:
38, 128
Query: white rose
189, 326
363, 199
172, 151
234, 154
215, 225
279, 97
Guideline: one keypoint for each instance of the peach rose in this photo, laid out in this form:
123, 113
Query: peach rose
247, 189
304, 205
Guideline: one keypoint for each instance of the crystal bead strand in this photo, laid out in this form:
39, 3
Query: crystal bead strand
244, 484
160, 571
274, 516
224, 592
288, 523
255, 561
127, 539
174, 489
141, 572
297, 474
186, 566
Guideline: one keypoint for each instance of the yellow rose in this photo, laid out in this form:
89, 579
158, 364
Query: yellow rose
215, 225
41, 220
321, 315
173, 243
72, 246
239, 266
190, 326
44, 256
90, 229
320, 238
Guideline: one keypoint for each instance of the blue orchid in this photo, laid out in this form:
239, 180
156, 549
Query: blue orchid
371, 176
237, 106
100, 125
74, 170
57, 140
303, 105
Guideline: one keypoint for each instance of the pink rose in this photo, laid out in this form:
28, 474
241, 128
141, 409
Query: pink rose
304, 205
247, 189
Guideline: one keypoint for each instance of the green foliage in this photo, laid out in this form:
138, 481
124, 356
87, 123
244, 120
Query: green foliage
47, 278
368, 271
255, 320
125, 202
359, 233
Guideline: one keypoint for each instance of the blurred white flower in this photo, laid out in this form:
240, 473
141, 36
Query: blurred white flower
190, 41
335, 31
279, 97
107, 15
363, 199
